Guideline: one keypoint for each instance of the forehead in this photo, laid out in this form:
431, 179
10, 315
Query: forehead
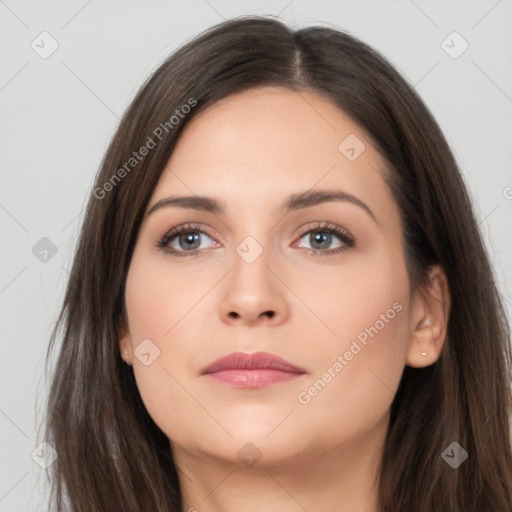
269, 142
273, 122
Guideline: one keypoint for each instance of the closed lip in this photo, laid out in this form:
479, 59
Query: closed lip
254, 361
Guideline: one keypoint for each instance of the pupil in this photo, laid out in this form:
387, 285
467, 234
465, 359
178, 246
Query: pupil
326, 239
190, 238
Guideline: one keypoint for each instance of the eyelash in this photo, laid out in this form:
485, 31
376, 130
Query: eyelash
323, 227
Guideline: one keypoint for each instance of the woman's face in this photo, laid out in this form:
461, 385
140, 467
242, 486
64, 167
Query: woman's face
246, 278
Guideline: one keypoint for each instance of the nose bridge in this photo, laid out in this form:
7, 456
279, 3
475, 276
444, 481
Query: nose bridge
253, 236
252, 289
252, 260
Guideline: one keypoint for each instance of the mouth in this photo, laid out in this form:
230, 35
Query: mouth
255, 370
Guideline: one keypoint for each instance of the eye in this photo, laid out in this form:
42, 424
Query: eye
184, 240
321, 237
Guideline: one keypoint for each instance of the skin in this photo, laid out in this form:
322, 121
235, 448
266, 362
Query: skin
250, 151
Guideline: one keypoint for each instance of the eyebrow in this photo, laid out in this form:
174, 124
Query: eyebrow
293, 202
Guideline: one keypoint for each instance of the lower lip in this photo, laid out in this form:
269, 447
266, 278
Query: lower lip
256, 378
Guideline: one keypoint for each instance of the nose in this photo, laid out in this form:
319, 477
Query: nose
254, 293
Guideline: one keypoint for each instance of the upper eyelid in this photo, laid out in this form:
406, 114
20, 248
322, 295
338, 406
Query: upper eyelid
327, 226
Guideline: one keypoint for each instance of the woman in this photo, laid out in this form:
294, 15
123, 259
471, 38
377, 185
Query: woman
334, 339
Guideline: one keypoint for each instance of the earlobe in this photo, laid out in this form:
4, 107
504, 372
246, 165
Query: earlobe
430, 315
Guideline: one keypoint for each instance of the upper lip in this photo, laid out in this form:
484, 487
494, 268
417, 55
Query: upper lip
256, 360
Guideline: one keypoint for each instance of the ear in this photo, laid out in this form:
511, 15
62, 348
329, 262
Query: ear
429, 320
125, 345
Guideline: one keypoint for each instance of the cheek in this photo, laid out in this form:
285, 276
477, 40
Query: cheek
161, 297
365, 297
160, 305
358, 368
371, 314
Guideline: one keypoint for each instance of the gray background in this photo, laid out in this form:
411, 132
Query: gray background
57, 116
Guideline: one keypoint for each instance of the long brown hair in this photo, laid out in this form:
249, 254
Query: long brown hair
112, 456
